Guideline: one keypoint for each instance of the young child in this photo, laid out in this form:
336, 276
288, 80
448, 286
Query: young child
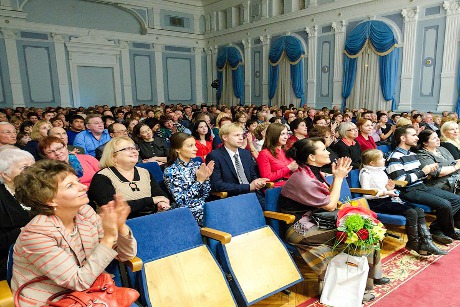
373, 176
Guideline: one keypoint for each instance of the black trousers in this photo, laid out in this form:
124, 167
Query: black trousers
446, 204
413, 215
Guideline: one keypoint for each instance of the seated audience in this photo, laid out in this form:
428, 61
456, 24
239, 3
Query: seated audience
119, 175
13, 214
187, 180
222, 119
85, 166
260, 133
22, 140
403, 164
386, 129
51, 244
347, 145
76, 125
202, 134
249, 137
299, 131
115, 130
130, 123
364, 139
151, 148
234, 170
272, 161
373, 176
449, 138
94, 136
307, 190
62, 134
446, 176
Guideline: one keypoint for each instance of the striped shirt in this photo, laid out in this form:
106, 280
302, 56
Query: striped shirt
404, 165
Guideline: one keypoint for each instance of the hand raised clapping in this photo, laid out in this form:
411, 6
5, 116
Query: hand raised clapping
204, 171
342, 167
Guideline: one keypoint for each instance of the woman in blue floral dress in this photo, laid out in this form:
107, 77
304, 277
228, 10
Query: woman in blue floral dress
187, 180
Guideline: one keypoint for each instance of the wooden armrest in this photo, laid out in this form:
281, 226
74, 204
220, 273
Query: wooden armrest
400, 183
269, 184
288, 218
372, 192
6, 296
223, 237
220, 194
134, 264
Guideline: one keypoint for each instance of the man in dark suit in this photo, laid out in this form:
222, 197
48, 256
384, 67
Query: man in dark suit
234, 170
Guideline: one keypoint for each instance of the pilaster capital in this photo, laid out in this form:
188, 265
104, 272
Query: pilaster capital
410, 14
339, 26
215, 48
124, 45
247, 43
8, 33
158, 47
198, 50
57, 38
451, 6
312, 31
265, 39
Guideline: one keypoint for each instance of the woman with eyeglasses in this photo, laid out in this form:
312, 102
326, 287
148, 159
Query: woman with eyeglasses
347, 145
85, 166
119, 175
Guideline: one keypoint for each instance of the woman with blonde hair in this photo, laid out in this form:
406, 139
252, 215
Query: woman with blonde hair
39, 131
119, 175
449, 138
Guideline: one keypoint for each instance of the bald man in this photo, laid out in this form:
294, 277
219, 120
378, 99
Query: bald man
62, 134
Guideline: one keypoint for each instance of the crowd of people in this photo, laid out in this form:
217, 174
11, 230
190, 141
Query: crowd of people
69, 177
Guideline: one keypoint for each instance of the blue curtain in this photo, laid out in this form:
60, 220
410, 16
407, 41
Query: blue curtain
232, 57
457, 110
294, 51
383, 42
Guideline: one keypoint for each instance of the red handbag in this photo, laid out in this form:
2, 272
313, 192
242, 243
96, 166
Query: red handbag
103, 293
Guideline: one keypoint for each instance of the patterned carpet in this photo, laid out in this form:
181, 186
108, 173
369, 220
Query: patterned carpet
400, 267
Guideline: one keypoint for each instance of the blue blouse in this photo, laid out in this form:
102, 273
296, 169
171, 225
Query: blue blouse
180, 179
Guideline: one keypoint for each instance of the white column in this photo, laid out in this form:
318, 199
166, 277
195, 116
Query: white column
247, 43
158, 49
213, 21
265, 51
13, 67
312, 41
126, 71
156, 18
61, 64
264, 8
198, 75
408, 61
209, 73
447, 97
246, 11
340, 30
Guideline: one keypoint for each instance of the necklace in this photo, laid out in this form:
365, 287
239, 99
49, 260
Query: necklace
75, 231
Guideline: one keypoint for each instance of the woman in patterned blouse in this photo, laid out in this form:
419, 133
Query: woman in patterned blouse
187, 180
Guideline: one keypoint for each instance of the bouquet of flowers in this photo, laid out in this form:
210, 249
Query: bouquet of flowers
359, 229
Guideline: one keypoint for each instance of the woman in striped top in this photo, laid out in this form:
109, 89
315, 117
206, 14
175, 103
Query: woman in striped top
66, 241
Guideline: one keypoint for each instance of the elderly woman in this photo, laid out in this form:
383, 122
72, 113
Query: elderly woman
446, 176
13, 214
85, 166
307, 190
151, 149
120, 175
39, 131
449, 138
347, 145
66, 240
187, 180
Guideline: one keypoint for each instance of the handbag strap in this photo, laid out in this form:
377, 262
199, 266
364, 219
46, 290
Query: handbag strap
36, 279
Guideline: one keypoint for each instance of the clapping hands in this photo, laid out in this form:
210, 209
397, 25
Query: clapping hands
204, 171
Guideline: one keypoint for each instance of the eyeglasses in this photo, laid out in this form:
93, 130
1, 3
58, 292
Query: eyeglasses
131, 148
49, 152
353, 129
8, 132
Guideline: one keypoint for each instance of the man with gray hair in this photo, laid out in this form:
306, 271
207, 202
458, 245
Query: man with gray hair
7, 134
62, 134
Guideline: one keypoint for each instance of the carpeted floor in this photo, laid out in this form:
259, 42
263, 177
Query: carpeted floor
416, 281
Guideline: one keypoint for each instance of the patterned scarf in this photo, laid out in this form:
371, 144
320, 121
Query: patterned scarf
73, 161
